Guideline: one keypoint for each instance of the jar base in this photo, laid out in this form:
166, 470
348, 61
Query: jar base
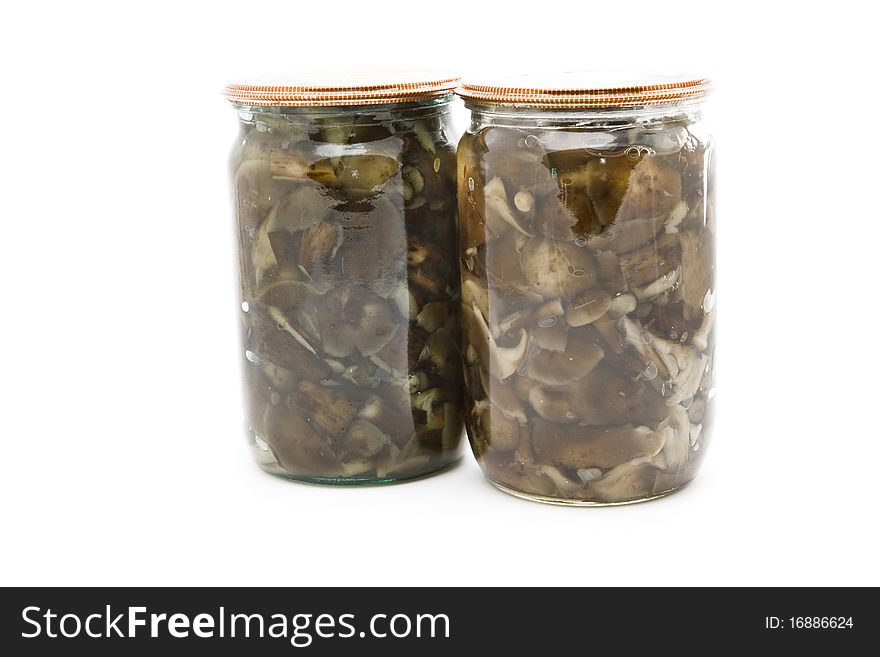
562, 501
358, 481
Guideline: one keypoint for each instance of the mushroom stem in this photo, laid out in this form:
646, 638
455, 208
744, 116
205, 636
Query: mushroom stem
675, 449
498, 206
503, 361
680, 366
321, 406
701, 335
653, 290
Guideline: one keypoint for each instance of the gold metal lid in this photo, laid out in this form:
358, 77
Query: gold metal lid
329, 88
595, 89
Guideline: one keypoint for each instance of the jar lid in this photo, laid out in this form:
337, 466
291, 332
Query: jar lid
329, 88
586, 89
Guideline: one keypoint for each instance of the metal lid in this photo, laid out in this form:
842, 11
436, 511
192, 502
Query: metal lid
329, 88
585, 89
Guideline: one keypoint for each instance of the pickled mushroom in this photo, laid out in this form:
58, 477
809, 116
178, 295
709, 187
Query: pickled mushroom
594, 447
681, 366
506, 400
628, 481
297, 446
373, 321
587, 307
328, 410
550, 404
654, 190
498, 208
554, 269
504, 360
556, 368
319, 244
551, 336
675, 449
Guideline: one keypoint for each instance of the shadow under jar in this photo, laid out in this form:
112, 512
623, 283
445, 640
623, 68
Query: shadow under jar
588, 290
349, 281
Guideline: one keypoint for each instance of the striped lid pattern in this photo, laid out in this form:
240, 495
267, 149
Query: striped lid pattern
333, 88
586, 89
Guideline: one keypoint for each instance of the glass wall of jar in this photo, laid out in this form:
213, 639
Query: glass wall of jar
588, 288
345, 204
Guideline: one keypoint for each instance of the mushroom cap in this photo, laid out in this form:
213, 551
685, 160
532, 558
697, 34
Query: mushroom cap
332, 412
516, 474
625, 236
287, 295
364, 439
607, 397
435, 315
319, 244
393, 417
337, 333
443, 352
552, 337
654, 189
297, 447
594, 447
650, 262
668, 321
621, 305
524, 201
587, 307
303, 206
373, 320
501, 432
552, 405
628, 481
557, 269
556, 368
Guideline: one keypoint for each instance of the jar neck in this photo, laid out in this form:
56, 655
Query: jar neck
345, 114
483, 115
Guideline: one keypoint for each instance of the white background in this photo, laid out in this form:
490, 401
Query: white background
123, 459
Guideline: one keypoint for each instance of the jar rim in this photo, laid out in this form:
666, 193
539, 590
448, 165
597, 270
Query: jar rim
325, 88
593, 89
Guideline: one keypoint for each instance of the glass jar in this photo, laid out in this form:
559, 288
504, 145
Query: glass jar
345, 206
588, 289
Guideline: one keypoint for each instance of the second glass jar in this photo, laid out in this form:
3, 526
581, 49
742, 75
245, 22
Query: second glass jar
588, 292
